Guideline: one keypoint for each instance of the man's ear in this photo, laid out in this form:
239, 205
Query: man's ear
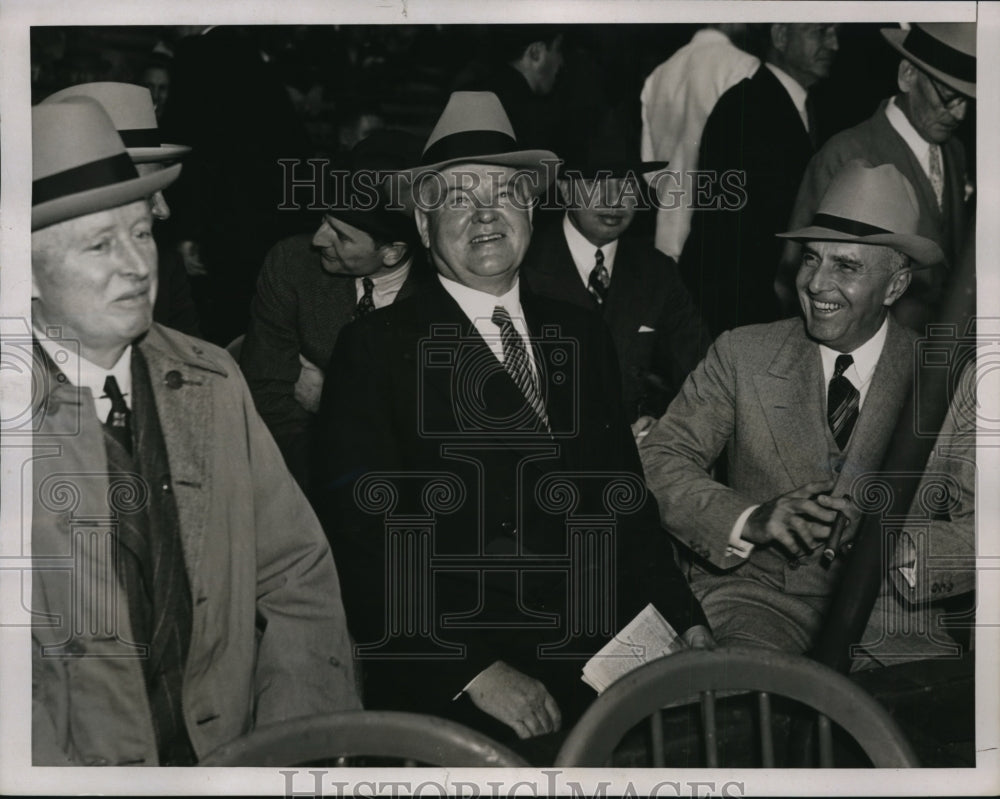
898, 284
779, 37
564, 191
906, 76
393, 253
536, 51
423, 227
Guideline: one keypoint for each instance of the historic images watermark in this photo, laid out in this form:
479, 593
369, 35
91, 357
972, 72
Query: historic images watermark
315, 184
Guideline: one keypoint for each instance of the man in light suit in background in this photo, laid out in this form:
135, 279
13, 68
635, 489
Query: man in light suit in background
803, 408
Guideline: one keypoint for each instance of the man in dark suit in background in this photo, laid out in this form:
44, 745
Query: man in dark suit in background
590, 262
362, 257
465, 428
760, 132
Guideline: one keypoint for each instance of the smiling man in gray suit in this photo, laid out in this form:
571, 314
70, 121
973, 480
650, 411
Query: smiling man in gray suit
802, 407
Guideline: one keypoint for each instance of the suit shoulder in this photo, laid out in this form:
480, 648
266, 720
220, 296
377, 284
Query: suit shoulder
761, 341
161, 341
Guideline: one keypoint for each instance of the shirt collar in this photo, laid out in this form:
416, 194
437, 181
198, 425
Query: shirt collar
792, 86
902, 126
584, 253
85, 374
393, 278
865, 357
477, 304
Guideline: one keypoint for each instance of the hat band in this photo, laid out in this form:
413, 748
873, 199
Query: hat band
95, 175
843, 225
140, 137
939, 55
468, 143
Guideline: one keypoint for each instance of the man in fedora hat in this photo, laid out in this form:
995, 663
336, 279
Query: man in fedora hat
183, 589
362, 257
490, 418
132, 111
589, 261
915, 132
802, 407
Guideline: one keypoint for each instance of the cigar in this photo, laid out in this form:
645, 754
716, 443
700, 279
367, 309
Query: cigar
833, 542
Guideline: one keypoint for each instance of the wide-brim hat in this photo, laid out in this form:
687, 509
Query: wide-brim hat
475, 129
131, 110
945, 50
871, 205
610, 151
358, 195
80, 165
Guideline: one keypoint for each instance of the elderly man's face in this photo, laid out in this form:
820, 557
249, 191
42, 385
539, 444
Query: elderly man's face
479, 230
95, 276
845, 290
601, 210
808, 50
934, 110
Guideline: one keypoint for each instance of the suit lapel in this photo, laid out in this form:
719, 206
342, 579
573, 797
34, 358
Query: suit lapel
554, 273
790, 395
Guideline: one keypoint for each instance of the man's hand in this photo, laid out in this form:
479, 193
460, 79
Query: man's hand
641, 427
796, 520
699, 637
519, 701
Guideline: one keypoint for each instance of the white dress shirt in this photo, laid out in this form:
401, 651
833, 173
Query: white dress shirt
385, 286
585, 254
860, 374
677, 99
920, 147
84, 374
478, 306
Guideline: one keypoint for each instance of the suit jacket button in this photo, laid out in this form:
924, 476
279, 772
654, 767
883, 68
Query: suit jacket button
174, 379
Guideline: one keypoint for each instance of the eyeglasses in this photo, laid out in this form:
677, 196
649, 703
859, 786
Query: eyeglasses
950, 101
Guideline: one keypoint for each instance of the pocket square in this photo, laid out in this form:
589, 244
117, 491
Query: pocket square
646, 329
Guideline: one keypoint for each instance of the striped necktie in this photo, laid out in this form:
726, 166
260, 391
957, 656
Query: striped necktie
517, 363
599, 279
936, 173
842, 402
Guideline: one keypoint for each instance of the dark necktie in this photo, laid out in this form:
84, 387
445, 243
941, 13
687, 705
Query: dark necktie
517, 364
599, 279
119, 421
842, 402
367, 303
812, 125
936, 173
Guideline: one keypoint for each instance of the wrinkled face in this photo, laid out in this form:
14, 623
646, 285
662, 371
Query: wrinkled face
347, 250
809, 51
95, 276
845, 290
157, 202
601, 209
935, 110
478, 227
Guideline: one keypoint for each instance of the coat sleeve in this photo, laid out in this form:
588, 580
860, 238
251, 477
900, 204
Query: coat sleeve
270, 362
304, 659
681, 449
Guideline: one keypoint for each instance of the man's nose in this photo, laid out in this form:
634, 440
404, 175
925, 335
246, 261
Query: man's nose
485, 212
136, 260
158, 206
821, 279
322, 237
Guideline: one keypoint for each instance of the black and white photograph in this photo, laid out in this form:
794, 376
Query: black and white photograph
431, 398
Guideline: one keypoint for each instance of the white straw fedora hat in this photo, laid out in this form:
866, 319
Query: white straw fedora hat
79, 163
475, 129
871, 205
946, 50
131, 110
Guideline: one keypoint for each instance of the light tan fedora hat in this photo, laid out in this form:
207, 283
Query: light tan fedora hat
871, 205
475, 129
80, 165
946, 50
131, 109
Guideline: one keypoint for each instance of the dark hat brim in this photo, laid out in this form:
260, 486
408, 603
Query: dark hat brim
102, 198
922, 251
542, 164
896, 36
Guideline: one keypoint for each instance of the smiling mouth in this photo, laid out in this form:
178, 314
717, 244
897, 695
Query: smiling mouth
487, 238
826, 307
132, 296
